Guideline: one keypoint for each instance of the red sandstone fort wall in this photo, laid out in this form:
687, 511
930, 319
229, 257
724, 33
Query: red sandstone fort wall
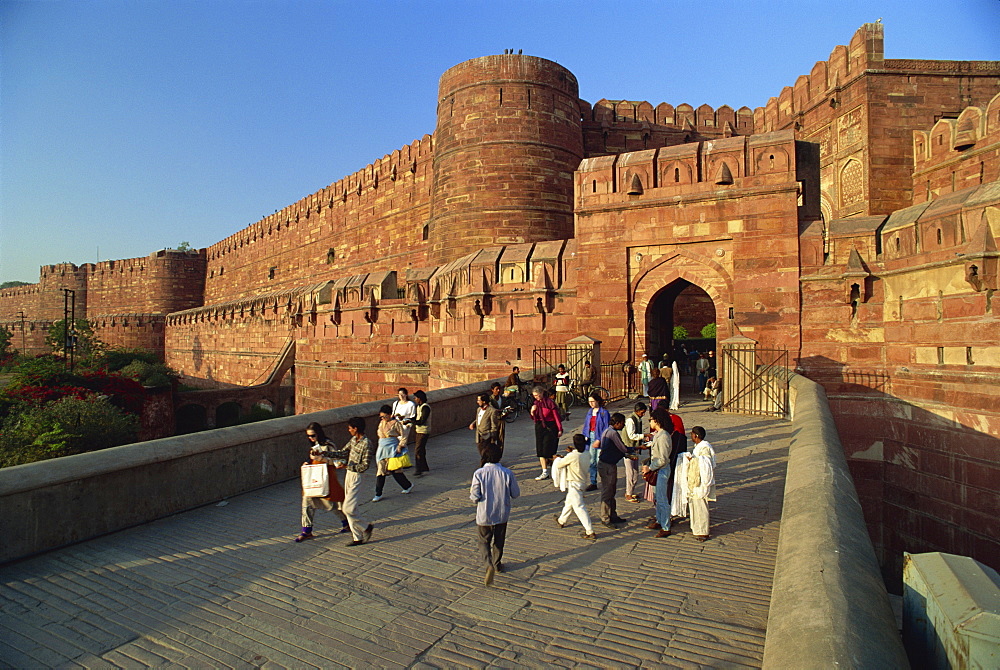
862, 109
899, 325
699, 213
371, 220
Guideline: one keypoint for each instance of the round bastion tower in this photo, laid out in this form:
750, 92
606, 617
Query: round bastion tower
508, 140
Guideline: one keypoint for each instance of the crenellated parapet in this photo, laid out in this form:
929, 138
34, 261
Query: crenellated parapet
957, 153
826, 81
392, 171
700, 166
620, 126
352, 225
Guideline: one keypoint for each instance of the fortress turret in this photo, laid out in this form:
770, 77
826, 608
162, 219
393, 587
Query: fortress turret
507, 142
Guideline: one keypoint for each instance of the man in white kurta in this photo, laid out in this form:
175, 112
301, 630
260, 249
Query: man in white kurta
570, 472
694, 484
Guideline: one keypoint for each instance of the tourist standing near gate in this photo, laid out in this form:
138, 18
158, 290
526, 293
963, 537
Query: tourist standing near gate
659, 462
659, 389
633, 435
562, 389
613, 450
390, 445
595, 422
493, 487
694, 484
404, 410
702, 366
323, 451
574, 469
645, 373
488, 426
422, 427
548, 429
357, 456
675, 386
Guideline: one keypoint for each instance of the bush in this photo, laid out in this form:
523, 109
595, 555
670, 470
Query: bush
680, 333
708, 332
63, 427
143, 366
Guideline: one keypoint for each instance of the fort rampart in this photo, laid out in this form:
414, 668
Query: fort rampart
531, 218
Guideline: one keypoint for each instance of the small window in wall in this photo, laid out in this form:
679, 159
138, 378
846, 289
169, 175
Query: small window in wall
968, 356
593, 186
486, 353
425, 232
519, 353
677, 174
939, 236
940, 354
331, 255
897, 243
271, 272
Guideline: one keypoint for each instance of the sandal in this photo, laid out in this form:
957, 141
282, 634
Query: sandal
304, 536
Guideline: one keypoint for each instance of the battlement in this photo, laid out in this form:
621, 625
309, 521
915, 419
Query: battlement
685, 168
957, 153
19, 291
352, 191
825, 80
683, 117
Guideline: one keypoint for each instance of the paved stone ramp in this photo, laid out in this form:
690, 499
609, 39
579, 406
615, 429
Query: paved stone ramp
224, 586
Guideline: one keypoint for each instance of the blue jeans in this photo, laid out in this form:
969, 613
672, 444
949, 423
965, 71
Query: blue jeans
594, 453
663, 497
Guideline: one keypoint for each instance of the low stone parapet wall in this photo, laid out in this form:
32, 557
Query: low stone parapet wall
54, 503
829, 606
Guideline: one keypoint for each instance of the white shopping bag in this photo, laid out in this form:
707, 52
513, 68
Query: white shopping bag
315, 480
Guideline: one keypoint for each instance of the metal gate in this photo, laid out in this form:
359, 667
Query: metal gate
573, 356
755, 381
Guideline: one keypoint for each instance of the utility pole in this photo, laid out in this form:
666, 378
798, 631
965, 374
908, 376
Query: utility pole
69, 326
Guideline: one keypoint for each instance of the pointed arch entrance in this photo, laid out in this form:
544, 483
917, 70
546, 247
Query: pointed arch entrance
678, 304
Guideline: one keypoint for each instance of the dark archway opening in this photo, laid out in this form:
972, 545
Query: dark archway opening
227, 414
190, 419
683, 309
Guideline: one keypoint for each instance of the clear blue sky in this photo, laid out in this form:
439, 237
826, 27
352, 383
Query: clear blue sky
127, 127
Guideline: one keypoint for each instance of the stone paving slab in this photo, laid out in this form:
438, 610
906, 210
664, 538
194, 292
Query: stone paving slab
224, 586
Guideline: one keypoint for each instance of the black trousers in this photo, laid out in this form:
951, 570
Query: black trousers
491, 541
420, 453
398, 475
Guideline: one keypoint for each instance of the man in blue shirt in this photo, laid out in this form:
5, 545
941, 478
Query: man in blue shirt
493, 487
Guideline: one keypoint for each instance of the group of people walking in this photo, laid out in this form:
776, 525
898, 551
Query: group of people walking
678, 482
391, 454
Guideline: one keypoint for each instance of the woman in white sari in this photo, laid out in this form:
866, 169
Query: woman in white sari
675, 387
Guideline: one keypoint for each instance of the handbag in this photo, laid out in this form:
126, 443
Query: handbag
399, 462
650, 476
315, 480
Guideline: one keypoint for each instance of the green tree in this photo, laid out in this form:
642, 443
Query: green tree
64, 427
680, 333
87, 342
13, 284
184, 246
5, 339
708, 331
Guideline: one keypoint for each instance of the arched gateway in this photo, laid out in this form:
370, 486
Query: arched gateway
678, 291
